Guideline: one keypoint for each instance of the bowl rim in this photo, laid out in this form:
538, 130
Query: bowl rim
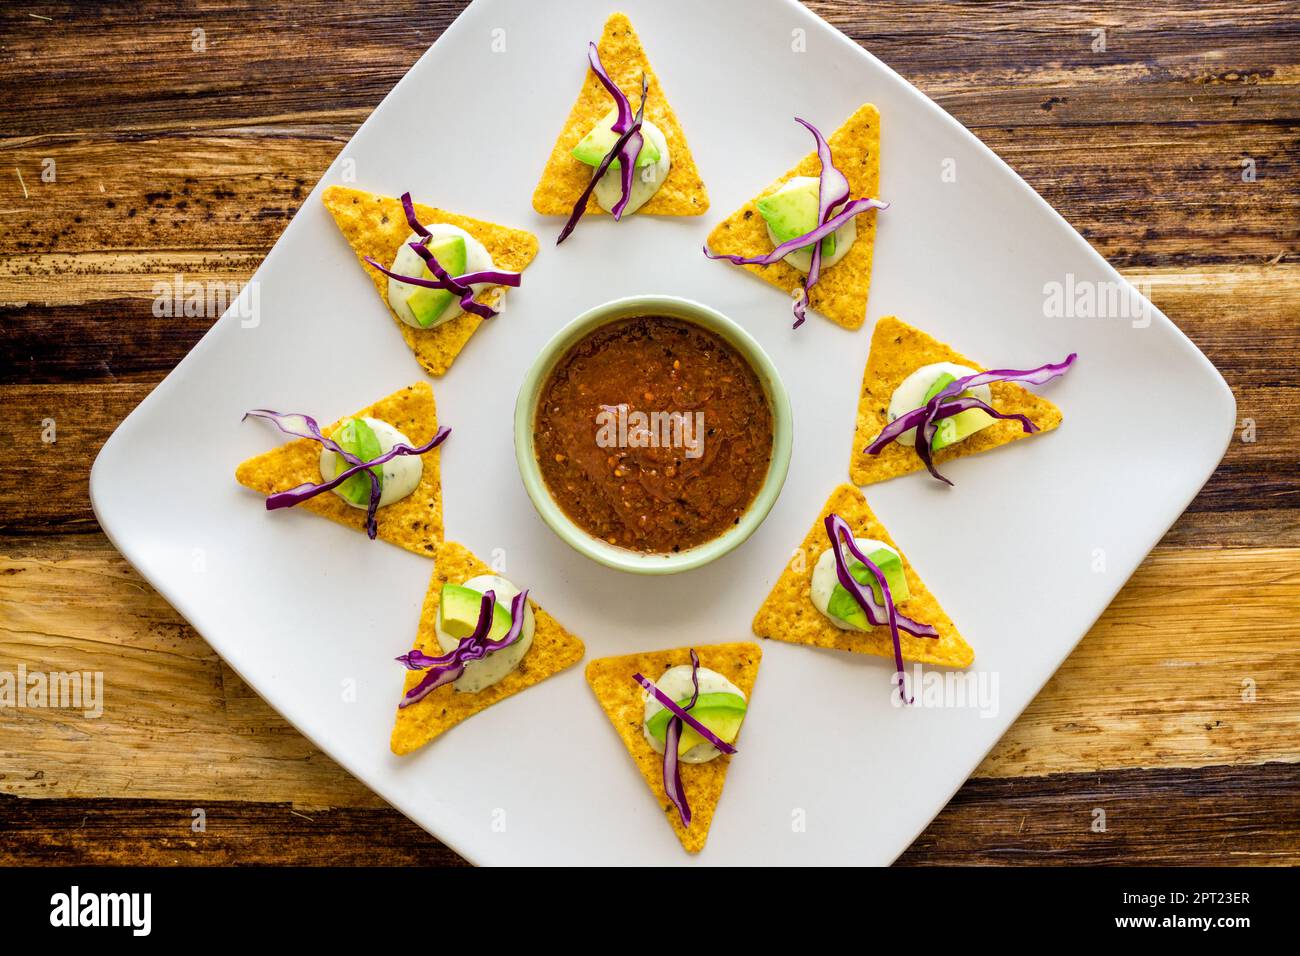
687, 310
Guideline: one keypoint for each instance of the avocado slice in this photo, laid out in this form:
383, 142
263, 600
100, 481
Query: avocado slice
842, 604
458, 608
427, 305
949, 431
596, 145
792, 211
357, 438
722, 713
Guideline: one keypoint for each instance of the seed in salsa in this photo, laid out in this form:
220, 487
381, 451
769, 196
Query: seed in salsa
653, 433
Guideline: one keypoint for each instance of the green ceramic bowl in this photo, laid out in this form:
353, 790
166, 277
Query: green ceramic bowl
603, 551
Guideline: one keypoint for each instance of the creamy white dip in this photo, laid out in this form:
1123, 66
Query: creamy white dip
801, 259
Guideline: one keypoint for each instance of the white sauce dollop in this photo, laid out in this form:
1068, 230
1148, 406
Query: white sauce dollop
910, 393
801, 259
646, 180
494, 667
824, 578
676, 683
408, 263
401, 475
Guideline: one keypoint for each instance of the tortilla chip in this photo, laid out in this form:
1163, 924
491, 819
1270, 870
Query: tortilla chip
898, 350
414, 523
622, 700
553, 650
376, 226
841, 292
788, 613
564, 178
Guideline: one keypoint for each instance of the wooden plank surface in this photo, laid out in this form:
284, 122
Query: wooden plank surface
1178, 712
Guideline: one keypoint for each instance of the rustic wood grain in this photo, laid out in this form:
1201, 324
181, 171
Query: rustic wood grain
172, 161
1221, 816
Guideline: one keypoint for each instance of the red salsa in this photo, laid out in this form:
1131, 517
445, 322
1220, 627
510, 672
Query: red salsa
653, 433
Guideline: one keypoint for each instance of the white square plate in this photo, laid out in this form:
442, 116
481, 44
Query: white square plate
829, 772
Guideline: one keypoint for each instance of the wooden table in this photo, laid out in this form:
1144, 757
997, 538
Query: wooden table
1177, 715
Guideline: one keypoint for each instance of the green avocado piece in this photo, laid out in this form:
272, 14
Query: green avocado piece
428, 304
596, 145
951, 430
792, 211
842, 604
458, 609
722, 713
357, 438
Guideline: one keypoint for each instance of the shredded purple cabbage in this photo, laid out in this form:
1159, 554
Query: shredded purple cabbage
625, 149
459, 285
449, 667
304, 426
842, 537
945, 404
673, 733
832, 195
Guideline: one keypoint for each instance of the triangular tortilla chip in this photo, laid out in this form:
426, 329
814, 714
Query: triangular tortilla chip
898, 350
624, 704
553, 650
376, 226
414, 523
564, 178
841, 292
788, 613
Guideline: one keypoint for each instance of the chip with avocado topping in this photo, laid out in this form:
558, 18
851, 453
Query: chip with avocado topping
623, 701
413, 522
898, 350
788, 614
376, 226
553, 649
682, 192
841, 293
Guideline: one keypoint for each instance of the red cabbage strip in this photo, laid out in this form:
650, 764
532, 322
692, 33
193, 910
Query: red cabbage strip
856, 207
412, 219
832, 191
672, 736
630, 148
838, 528
580, 207
945, 405
449, 667
304, 426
